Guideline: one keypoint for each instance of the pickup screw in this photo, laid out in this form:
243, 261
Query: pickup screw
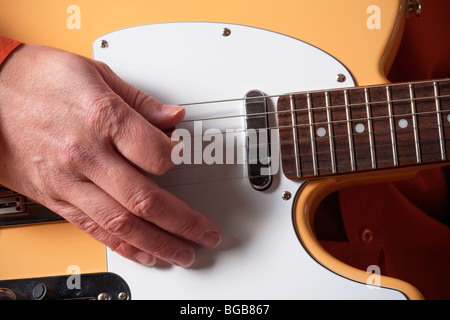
226, 32
286, 195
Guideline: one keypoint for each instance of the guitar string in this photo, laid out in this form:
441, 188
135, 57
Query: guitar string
360, 164
308, 176
303, 171
319, 153
184, 167
329, 107
333, 122
315, 91
314, 109
352, 134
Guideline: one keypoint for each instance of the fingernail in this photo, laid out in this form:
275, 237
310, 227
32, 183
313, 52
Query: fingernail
210, 239
183, 258
171, 110
146, 259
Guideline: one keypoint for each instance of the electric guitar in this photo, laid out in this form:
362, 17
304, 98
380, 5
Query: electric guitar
275, 100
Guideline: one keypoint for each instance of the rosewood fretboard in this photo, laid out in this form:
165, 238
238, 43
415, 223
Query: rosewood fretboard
364, 128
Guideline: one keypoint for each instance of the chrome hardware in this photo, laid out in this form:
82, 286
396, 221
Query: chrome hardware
103, 296
104, 44
226, 32
12, 205
341, 78
414, 7
286, 195
257, 140
16, 209
122, 296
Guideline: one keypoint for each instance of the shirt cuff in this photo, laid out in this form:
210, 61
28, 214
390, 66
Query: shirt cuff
7, 46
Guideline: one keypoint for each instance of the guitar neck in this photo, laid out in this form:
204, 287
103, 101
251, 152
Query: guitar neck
342, 131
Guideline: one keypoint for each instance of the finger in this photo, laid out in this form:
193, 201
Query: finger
118, 222
162, 116
136, 192
140, 142
82, 221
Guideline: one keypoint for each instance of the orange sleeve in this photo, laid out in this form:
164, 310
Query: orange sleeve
7, 46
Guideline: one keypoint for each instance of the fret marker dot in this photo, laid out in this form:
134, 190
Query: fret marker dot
448, 117
321, 132
403, 123
360, 128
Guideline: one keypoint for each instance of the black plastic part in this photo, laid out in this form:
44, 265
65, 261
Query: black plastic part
95, 286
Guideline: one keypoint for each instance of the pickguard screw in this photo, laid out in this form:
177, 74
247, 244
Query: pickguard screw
286, 195
340, 78
104, 44
226, 32
123, 296
103, 296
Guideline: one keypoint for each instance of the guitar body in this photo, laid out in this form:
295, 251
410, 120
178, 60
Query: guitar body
269, 250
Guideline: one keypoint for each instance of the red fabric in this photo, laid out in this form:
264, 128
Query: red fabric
6, 47
402, 227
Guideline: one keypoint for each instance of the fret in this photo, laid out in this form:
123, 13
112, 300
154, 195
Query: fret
357, 115
370, 129
330, 133
381, 127
428, 127
392, 126
305, 161
404, 125
340, 132
321, 133
349, 131
295, 136
312, 134
439, 120
415, 124
444, 100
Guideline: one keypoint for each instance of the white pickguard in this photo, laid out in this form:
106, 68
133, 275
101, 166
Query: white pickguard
261, 256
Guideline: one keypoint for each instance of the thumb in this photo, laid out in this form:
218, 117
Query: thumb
164, 117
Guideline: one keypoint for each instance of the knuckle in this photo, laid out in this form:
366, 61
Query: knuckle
120, 225
161, 162
91, 228
104, 116
186, 227
81, 221
122, 248
148, 205
74, 153
141, 100
160, 247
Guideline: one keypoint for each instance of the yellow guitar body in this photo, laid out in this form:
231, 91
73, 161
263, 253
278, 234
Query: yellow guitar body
362, 34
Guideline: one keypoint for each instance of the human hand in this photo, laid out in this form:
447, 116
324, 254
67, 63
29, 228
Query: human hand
74, 137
